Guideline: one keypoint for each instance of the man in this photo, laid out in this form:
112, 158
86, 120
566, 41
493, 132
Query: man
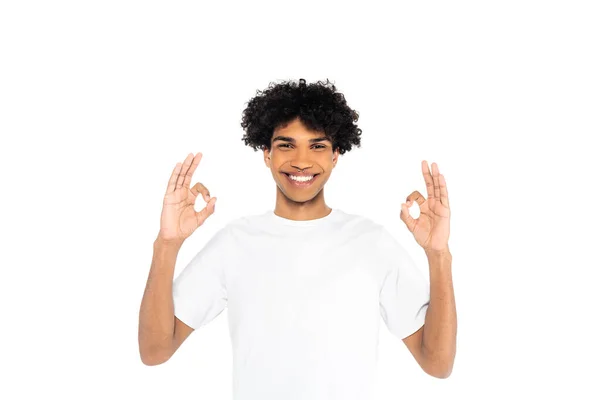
305, 284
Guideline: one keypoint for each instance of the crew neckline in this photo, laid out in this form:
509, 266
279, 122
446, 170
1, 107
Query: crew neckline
310, 222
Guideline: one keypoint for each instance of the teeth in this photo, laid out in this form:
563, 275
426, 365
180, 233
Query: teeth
301, 178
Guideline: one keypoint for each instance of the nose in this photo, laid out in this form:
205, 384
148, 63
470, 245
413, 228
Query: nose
296, 165
301, 160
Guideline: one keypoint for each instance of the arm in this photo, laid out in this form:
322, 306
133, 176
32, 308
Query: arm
434, 345
160, 333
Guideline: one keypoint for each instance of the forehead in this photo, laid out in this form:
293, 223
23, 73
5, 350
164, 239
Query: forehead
295, 130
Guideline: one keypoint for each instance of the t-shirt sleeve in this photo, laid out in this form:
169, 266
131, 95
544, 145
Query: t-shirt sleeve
404, 295
199, 291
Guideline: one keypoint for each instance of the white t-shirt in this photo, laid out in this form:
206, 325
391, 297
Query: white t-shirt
304, 302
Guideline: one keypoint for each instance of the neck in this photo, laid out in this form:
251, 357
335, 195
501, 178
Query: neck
301, 210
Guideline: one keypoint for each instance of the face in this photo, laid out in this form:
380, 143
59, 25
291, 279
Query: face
299, 152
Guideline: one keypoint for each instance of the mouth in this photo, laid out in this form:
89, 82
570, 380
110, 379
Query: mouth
304, 183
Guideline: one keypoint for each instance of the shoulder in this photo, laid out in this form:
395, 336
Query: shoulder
243, 227
381, 238
362, 225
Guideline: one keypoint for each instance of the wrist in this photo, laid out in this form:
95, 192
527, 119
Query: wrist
162, 242
443, 253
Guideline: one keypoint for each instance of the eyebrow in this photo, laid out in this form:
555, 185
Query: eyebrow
292, 140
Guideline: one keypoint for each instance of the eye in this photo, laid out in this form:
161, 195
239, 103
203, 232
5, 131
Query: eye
285, 145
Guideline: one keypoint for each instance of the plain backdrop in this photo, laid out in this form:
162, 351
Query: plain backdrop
100, 100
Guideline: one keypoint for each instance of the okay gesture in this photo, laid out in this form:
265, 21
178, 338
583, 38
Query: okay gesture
432, 228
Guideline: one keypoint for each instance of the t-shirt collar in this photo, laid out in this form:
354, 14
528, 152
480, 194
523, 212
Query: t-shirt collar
311, 222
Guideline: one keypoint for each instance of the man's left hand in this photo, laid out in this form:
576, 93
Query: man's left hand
431, 229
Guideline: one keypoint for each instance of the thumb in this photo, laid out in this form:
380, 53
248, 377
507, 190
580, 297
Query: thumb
406, 218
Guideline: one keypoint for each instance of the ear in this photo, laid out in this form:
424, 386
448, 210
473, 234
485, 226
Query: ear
267, 156
336, 155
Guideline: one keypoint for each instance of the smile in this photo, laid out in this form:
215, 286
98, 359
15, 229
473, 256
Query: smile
301, 182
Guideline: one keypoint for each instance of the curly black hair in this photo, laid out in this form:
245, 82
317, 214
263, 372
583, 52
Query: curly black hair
318, 105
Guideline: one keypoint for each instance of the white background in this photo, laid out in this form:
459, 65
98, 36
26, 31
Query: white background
100, 100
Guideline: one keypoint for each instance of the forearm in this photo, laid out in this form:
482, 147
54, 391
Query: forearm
156, 319
439, 333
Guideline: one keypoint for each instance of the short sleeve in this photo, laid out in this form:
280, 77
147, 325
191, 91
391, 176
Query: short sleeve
404, 295
199, 291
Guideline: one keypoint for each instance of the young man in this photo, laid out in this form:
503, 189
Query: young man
305, 284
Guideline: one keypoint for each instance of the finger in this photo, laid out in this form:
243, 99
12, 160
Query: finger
184, 168
406, 218
428, 178
173, 180
201, 189
415, 196
206, 212
444, 192
188, 176
436, 181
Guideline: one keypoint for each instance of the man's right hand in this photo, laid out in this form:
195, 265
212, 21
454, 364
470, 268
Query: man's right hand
179, 219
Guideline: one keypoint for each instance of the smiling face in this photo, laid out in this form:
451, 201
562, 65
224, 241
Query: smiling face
305, 155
